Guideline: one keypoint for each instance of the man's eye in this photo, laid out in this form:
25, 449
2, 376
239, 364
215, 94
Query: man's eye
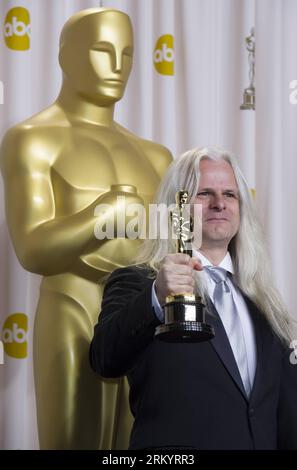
230, 195
203, 193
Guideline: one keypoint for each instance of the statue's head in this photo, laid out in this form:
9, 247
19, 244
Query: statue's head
96, 48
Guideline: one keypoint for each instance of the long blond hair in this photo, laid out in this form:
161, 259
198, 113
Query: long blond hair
247, 248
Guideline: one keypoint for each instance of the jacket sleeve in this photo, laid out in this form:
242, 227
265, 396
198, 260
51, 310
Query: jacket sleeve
287, 407
126, 323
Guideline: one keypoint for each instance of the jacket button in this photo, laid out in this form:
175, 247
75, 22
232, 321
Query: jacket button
252, 411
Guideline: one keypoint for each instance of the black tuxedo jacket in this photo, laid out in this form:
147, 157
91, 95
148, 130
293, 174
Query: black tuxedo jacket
191, 395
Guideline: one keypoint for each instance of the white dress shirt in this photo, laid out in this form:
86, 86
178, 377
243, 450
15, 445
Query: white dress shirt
246, 321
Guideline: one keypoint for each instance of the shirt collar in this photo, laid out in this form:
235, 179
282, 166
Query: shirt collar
226, 263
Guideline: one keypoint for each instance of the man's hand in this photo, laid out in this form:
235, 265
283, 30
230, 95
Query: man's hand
176, 276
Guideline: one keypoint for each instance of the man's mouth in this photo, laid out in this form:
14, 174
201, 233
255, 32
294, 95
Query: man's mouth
215, 219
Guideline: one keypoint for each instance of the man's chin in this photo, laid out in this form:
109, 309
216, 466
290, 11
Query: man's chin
217, 235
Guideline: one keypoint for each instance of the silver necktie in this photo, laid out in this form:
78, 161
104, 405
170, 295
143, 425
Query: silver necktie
226, 308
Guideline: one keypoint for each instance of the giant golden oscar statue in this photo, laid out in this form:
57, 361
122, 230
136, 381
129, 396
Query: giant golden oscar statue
57, 167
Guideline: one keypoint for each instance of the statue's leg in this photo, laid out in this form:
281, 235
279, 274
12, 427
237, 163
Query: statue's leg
75, 408
68, 393
124, 417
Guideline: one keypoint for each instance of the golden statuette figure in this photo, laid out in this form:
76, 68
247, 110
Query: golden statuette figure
58, 166
182, 223
249, 94
184, 313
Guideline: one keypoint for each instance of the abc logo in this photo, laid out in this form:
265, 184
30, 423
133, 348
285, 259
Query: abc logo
1, 92
14, 335
17, 29
164, 55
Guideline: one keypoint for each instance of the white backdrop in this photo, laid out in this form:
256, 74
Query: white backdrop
192, 99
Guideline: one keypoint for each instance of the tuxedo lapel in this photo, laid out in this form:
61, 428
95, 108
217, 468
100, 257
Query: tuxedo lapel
221, 344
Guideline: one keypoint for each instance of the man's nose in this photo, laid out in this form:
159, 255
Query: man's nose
218, 202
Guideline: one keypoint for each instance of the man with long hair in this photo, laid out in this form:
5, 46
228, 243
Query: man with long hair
236, 391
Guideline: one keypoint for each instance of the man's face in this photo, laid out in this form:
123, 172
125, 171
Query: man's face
218, 195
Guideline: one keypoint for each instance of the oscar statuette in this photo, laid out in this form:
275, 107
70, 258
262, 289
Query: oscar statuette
184, 313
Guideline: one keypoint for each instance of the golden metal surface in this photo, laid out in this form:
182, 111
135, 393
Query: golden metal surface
249, 94
57, 167
182, 297
182, 223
